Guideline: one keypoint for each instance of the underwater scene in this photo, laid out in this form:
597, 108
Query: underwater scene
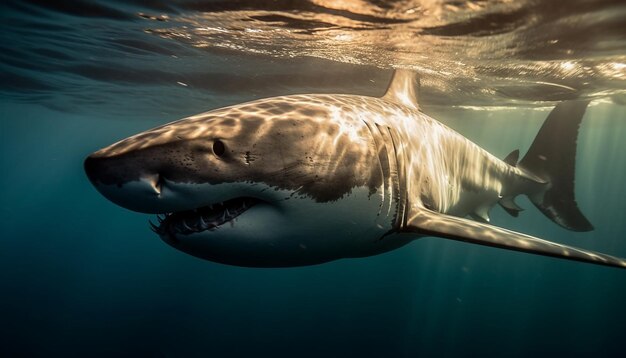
360, 178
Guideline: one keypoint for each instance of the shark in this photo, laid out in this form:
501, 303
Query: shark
310, 178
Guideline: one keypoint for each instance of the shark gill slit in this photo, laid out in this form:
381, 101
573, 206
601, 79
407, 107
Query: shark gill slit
383, 169
399, 158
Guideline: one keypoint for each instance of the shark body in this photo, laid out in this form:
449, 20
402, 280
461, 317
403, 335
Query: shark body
305, 179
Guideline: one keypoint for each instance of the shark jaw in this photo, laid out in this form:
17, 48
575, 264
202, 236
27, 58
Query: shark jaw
204, 218
254, 224
184, 210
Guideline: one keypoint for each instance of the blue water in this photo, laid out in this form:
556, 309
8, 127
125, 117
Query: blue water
83, 277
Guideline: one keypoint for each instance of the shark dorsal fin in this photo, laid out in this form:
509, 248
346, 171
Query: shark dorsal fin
404, 89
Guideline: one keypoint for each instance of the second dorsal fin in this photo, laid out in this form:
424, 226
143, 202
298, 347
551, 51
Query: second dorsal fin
404, 89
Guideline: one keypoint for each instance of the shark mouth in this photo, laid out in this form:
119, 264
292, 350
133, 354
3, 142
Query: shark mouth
200, 219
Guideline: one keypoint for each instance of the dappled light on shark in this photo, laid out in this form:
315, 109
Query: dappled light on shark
305, 179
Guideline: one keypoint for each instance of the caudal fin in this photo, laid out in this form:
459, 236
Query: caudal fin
552, 157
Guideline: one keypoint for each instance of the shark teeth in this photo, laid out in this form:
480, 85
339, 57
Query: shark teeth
200, 219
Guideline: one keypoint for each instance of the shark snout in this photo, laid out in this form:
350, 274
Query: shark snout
149, 180
115, 172
126, 182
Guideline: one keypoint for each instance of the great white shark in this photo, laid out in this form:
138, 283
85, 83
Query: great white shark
305, 179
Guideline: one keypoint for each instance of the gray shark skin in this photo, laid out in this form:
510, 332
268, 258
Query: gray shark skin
305, 179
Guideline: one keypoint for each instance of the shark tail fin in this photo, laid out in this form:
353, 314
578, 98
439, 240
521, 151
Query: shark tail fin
552, 157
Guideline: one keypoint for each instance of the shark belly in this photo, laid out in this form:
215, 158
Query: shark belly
313, 232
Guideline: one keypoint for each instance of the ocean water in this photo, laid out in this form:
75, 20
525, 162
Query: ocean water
82, 277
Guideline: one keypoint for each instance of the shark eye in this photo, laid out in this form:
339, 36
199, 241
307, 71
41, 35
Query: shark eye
218, 147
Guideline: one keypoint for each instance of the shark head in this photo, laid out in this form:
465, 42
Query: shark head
276, 182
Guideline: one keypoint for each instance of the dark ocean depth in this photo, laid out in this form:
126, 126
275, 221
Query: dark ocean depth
82, 277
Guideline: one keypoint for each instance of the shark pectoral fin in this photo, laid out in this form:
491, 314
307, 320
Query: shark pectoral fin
431, 223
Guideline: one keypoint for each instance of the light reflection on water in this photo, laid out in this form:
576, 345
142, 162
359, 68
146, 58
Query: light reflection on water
471, 53
503, 50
